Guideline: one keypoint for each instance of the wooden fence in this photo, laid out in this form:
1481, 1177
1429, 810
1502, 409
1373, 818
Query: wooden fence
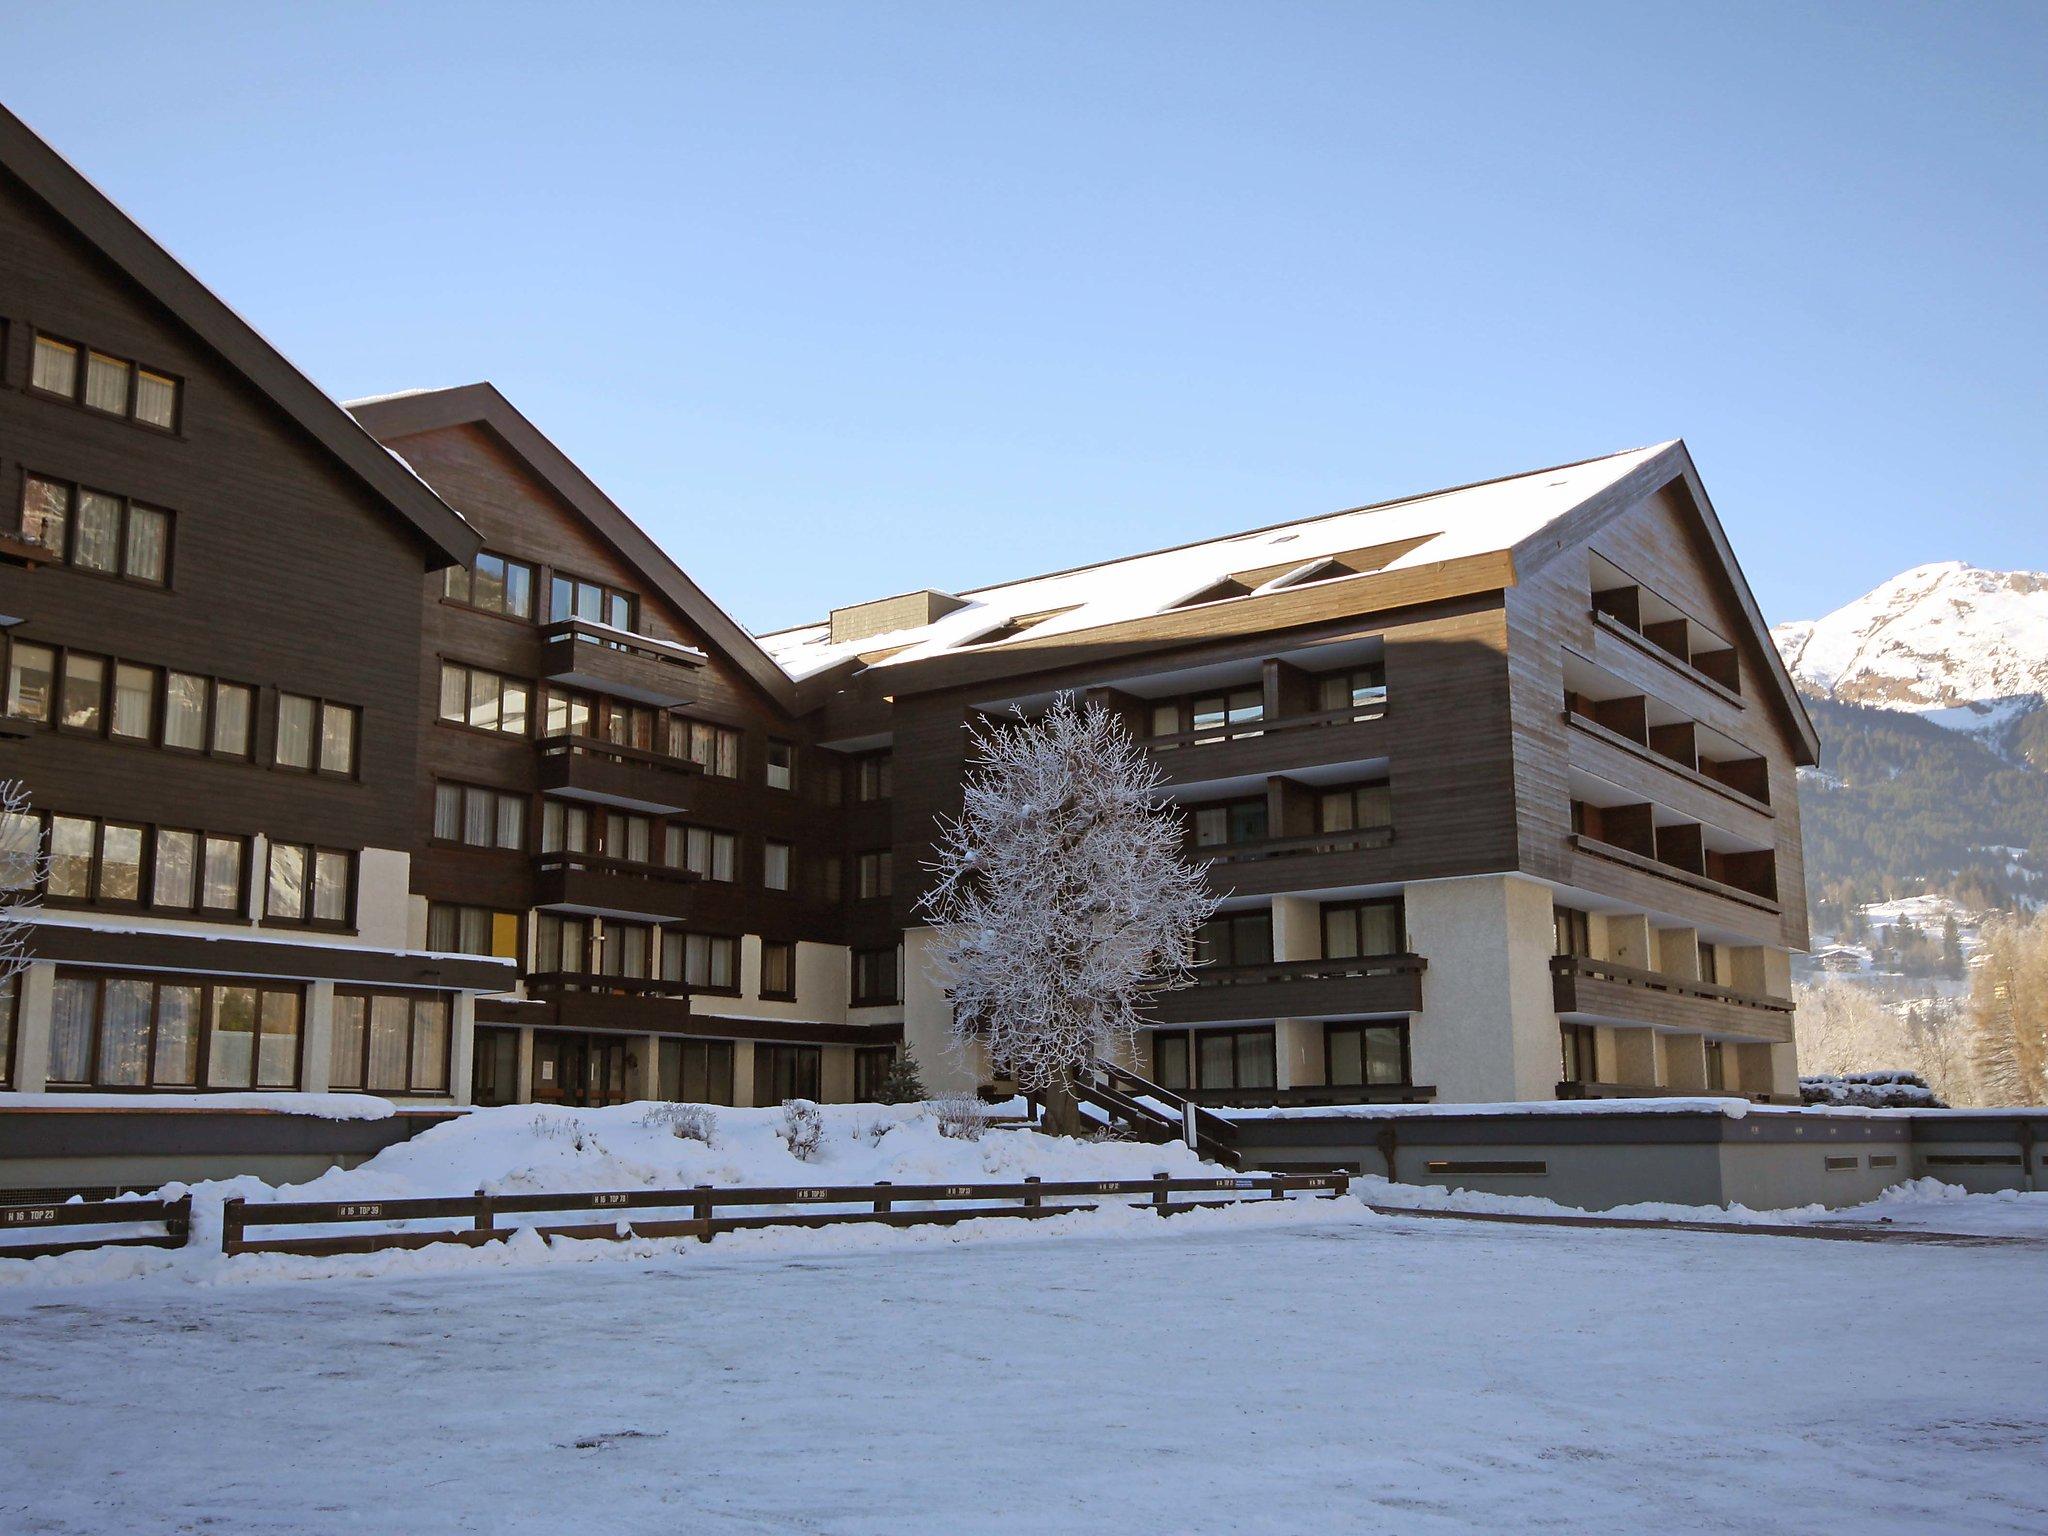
488, 1217
27, 1216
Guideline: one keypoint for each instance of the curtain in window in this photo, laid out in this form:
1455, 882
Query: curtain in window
390, 1042
106, 384
231, 1058
512, 708
149, 534
177, 855
124, 1034
430, 1045
484, 693
345, 1054
231, 708
85, 684
511, 821
278, 1053
156, 399
134, 701
294, 731
454, 692
177, 1035
223, 891
476, 817
337, 739
448, 812
56, 367
184, 711
98, 541
330, 886
120, 863
71, 1010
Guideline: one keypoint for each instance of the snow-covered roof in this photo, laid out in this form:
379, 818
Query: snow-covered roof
1388, 536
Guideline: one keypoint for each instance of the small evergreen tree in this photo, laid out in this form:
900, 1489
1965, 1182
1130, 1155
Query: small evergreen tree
903, 1083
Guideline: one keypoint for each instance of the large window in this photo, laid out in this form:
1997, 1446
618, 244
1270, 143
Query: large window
130, 1030
96, 861
495, 584
713, 748
1236, 938
96, 531
316, 735
1352, 929
707, 962
1574, 932
1355, 807
478, 817
31, 681
1359, 691
628, 836
1218, 1059
564, 828
453, 929
786, 1072
485, 700
390, 1042
315, 886
871, 776
1220, 716
1366, 1055
93, 695
697, 1071
778, 968
704, 852
877, 976
872, 874
625, 949
561, 943
571, 597
1232, 821
1577, 1046
102, 382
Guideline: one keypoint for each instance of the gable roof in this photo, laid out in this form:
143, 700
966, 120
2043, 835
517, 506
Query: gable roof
123, 242
1409, 534
427, 410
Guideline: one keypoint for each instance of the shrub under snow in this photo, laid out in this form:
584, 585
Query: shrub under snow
687, 1122
803, 1129
1869, 1090
961, 1116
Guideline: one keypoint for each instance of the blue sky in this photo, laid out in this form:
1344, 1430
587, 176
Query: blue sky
843, 299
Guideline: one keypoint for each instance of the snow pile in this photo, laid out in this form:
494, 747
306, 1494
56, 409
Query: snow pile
1869, 1090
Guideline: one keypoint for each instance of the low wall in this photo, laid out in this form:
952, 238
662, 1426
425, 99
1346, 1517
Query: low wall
1603, 1156
55, 1147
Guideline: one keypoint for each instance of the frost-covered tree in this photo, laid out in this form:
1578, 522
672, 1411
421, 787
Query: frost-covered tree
2009, 1012
23, 868
1061, 898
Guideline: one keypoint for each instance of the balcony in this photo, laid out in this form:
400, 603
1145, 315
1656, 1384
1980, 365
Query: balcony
1296, 989
1601, 991
1231, 750
586, 882
1279, 864
586, 1000
591, 768
577, 653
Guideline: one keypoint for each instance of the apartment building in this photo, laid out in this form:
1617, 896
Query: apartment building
379, 750
209, 633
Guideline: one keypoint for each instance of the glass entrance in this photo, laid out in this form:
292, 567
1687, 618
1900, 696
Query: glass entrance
581, 1069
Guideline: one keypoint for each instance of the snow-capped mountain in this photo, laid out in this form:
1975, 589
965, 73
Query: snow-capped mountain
1965, 647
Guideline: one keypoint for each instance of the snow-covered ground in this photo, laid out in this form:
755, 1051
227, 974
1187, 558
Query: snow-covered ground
1281, 1368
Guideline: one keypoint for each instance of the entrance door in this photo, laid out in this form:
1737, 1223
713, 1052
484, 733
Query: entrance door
580, 1069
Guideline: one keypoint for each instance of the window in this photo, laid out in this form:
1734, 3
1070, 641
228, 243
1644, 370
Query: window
234, 718
495, 584
1362, 928
1236, 938
871, 1066
778, 968
561, 944
1221, 1059
713, 748
1366, 1055
294, 731
775, 865
479, 817
135, 690
113, 385
1232, 821
31, 670
1577, 1044
704, 853
567, 714
831, 878
483, 699
134, 1030
1359, 691
872, 875
623, 949
1574, 932
877, 976
697, 1071
316, 732
83, 692
564, 828
310, 885
1717, 1067
707, 962
390, 1042
185, 711
174, 878
784, 1072
625, 725
1226, 715
1355, 808
92, 860
871, 777
337, 739
571, 597
224, 876
95, 530
781, 767
628, 837
460, 930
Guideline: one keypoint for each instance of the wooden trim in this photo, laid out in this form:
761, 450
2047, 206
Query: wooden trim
1615, 855
1685, 669
1636, 749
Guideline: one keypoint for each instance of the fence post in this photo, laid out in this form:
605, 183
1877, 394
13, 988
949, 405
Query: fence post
882, 1206
703, 1211
1386, 1138
231, 1225
1159, 1191
1033, 1202
485, 1211
1278, 1190
178, 1220
1188, 1130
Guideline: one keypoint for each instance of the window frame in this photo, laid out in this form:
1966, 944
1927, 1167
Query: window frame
209, 988
790, 777
859, 959
75, 492
1358, 1027
607, 594
368, 996
787, 949
316, 737
466, 599
496, 801
471, 671
82, 354
1357, 908
310, 866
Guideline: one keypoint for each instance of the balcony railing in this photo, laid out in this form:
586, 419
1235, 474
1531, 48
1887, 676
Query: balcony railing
622, 887
582, 654
1287, 847
599, 981
1245, 730
1626, 994
592, 768
1368, 984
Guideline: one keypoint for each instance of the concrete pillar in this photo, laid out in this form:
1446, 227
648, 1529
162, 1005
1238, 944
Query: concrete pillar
835, 1074
1635, 1057
316, 1057
1297, 928
1628, 941
522, 1091
743, 1074
1678, 953
1784, 1072
1605, 1055
1488, 1028
1298, 1053
1685, 1063
462, 1045
1746, 970
32, 1027
650, 1067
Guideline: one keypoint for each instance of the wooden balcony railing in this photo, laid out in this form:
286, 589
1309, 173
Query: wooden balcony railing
569, 744
1244, 730
1657, 981
1287, 847
1309, 970
598, 981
